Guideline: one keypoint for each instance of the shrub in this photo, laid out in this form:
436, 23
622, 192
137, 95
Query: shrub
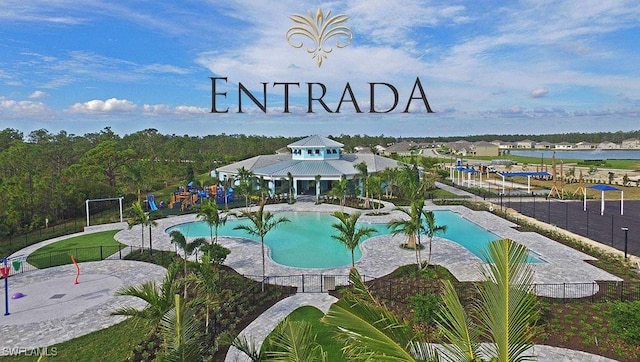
625, 320
425, 307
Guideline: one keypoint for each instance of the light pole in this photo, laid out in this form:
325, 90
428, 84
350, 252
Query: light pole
626, 234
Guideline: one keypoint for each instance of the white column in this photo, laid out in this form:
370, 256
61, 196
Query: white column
87, 207
621, 202
120, 202
602, 203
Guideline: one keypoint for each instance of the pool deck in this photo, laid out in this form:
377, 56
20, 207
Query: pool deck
36, 321
382, 254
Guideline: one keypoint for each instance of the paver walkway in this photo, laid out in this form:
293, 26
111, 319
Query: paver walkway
54, 309
260, 328
77, 311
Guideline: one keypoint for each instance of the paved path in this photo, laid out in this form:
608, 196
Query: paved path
260, 328
454, 190
35, 321
54, 309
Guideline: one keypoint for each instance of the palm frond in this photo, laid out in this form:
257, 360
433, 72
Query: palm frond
293, 341
368, 330
179, 331
457, 328
247, 346
507, 309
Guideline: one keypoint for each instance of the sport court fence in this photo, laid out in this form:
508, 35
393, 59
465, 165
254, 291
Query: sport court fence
571, 216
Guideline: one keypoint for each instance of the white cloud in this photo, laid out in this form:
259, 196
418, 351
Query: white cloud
100, 106
163, 109
190, 110
155, 109
539, 92
15, 108
38, 95
164, 68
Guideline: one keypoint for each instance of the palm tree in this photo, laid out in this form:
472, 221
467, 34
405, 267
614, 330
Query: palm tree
289, 341
159, 299
209, 213
339, 190
412, 186
138, 217
431, 230
389, 177
151, 223
246, 184
292, 189
293, 341
227, 185
177, 238
363, 174
506, 310
369, 331
317, 179
261, 222
178, 328
206, 277
374, 185
411, 227
348, 232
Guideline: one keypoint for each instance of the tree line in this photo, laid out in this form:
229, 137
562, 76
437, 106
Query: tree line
46, 177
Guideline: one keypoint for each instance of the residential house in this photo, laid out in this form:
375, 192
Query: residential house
461, 148
544, 145
503, 145
608, 145
631, 143
525, 144
563, 146
402, 148
585, 145
483, 148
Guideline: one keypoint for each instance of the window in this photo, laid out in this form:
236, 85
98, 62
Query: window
309, 152
317, 152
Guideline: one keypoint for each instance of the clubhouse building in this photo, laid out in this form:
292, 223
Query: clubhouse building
309, 159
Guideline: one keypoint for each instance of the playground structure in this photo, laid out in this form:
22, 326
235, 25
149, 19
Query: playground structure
186, 197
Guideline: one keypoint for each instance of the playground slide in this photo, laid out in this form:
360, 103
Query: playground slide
151, 199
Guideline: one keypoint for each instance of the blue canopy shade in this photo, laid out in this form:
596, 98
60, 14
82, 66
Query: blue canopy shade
466, 169
525, 174
602, 187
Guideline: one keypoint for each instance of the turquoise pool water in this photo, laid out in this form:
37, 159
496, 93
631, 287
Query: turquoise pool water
306, 241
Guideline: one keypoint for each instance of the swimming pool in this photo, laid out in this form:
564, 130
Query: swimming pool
306, 241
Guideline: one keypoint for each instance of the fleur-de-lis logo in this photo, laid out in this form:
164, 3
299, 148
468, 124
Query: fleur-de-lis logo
319, 28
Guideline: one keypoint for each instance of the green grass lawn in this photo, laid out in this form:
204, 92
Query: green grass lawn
90, 247
324, 333
114, 343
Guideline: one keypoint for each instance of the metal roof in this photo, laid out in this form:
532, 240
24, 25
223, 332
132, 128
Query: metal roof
316, 141
280, 165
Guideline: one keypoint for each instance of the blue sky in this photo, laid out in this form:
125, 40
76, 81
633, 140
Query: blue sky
528, 67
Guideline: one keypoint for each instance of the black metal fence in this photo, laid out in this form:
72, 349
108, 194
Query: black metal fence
16, 242
25, 264
306, 283
605, 227
551, 293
